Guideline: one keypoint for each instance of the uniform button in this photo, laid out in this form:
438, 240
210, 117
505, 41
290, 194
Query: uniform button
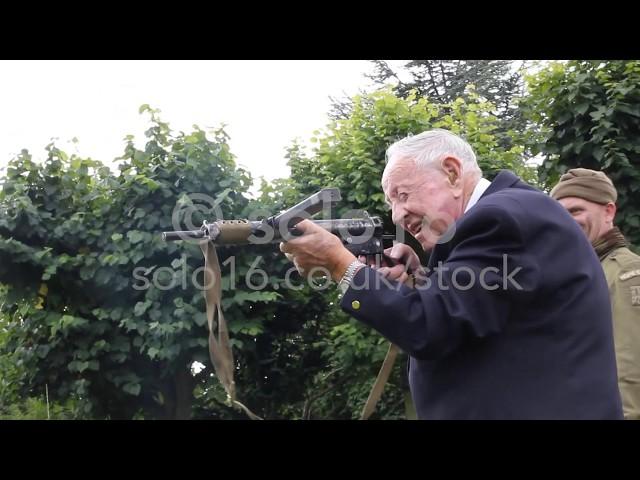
355, 305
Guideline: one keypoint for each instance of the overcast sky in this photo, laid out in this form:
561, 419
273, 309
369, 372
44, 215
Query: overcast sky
265, 103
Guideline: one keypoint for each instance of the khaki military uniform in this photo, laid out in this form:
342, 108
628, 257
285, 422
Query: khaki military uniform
622, 269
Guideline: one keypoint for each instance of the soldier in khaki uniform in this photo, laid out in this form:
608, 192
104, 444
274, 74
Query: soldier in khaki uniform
589, 196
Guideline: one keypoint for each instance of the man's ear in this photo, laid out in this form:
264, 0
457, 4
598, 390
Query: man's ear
610, 212
452, 168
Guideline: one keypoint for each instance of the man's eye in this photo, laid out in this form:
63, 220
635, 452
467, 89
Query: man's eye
403, 196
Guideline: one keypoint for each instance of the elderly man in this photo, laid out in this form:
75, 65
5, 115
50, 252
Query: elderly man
512, 320
590, 197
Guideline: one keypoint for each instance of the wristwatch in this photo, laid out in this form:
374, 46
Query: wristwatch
347, 278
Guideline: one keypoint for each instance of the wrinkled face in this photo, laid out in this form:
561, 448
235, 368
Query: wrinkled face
593, 218
421, 200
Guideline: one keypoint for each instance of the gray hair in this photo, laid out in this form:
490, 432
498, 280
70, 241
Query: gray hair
428, 148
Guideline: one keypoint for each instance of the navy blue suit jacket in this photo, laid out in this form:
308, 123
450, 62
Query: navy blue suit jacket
532, 340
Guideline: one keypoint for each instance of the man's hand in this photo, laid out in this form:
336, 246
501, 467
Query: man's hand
404, 261
317, 247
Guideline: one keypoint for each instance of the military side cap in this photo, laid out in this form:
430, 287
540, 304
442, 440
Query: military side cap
587, 184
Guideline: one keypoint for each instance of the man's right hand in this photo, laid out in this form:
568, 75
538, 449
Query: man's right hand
404, 262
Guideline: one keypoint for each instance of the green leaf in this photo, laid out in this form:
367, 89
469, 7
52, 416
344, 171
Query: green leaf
200, 318
132, 388
49, 272
116, 313
582, 108
42, 253
137, 257
103, 276
86, 273
118, 357
82, 354
134, 236
121, 343
116, 236
141, 307
629, 109
598, 153
43, 350
66, 320
99, 345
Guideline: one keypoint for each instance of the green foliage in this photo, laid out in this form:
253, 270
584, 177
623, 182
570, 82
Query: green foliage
588, 113
442, 81
499, 82
37, 409
86, 308
350, 155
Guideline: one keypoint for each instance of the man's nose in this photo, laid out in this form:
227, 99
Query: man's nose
397, 214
